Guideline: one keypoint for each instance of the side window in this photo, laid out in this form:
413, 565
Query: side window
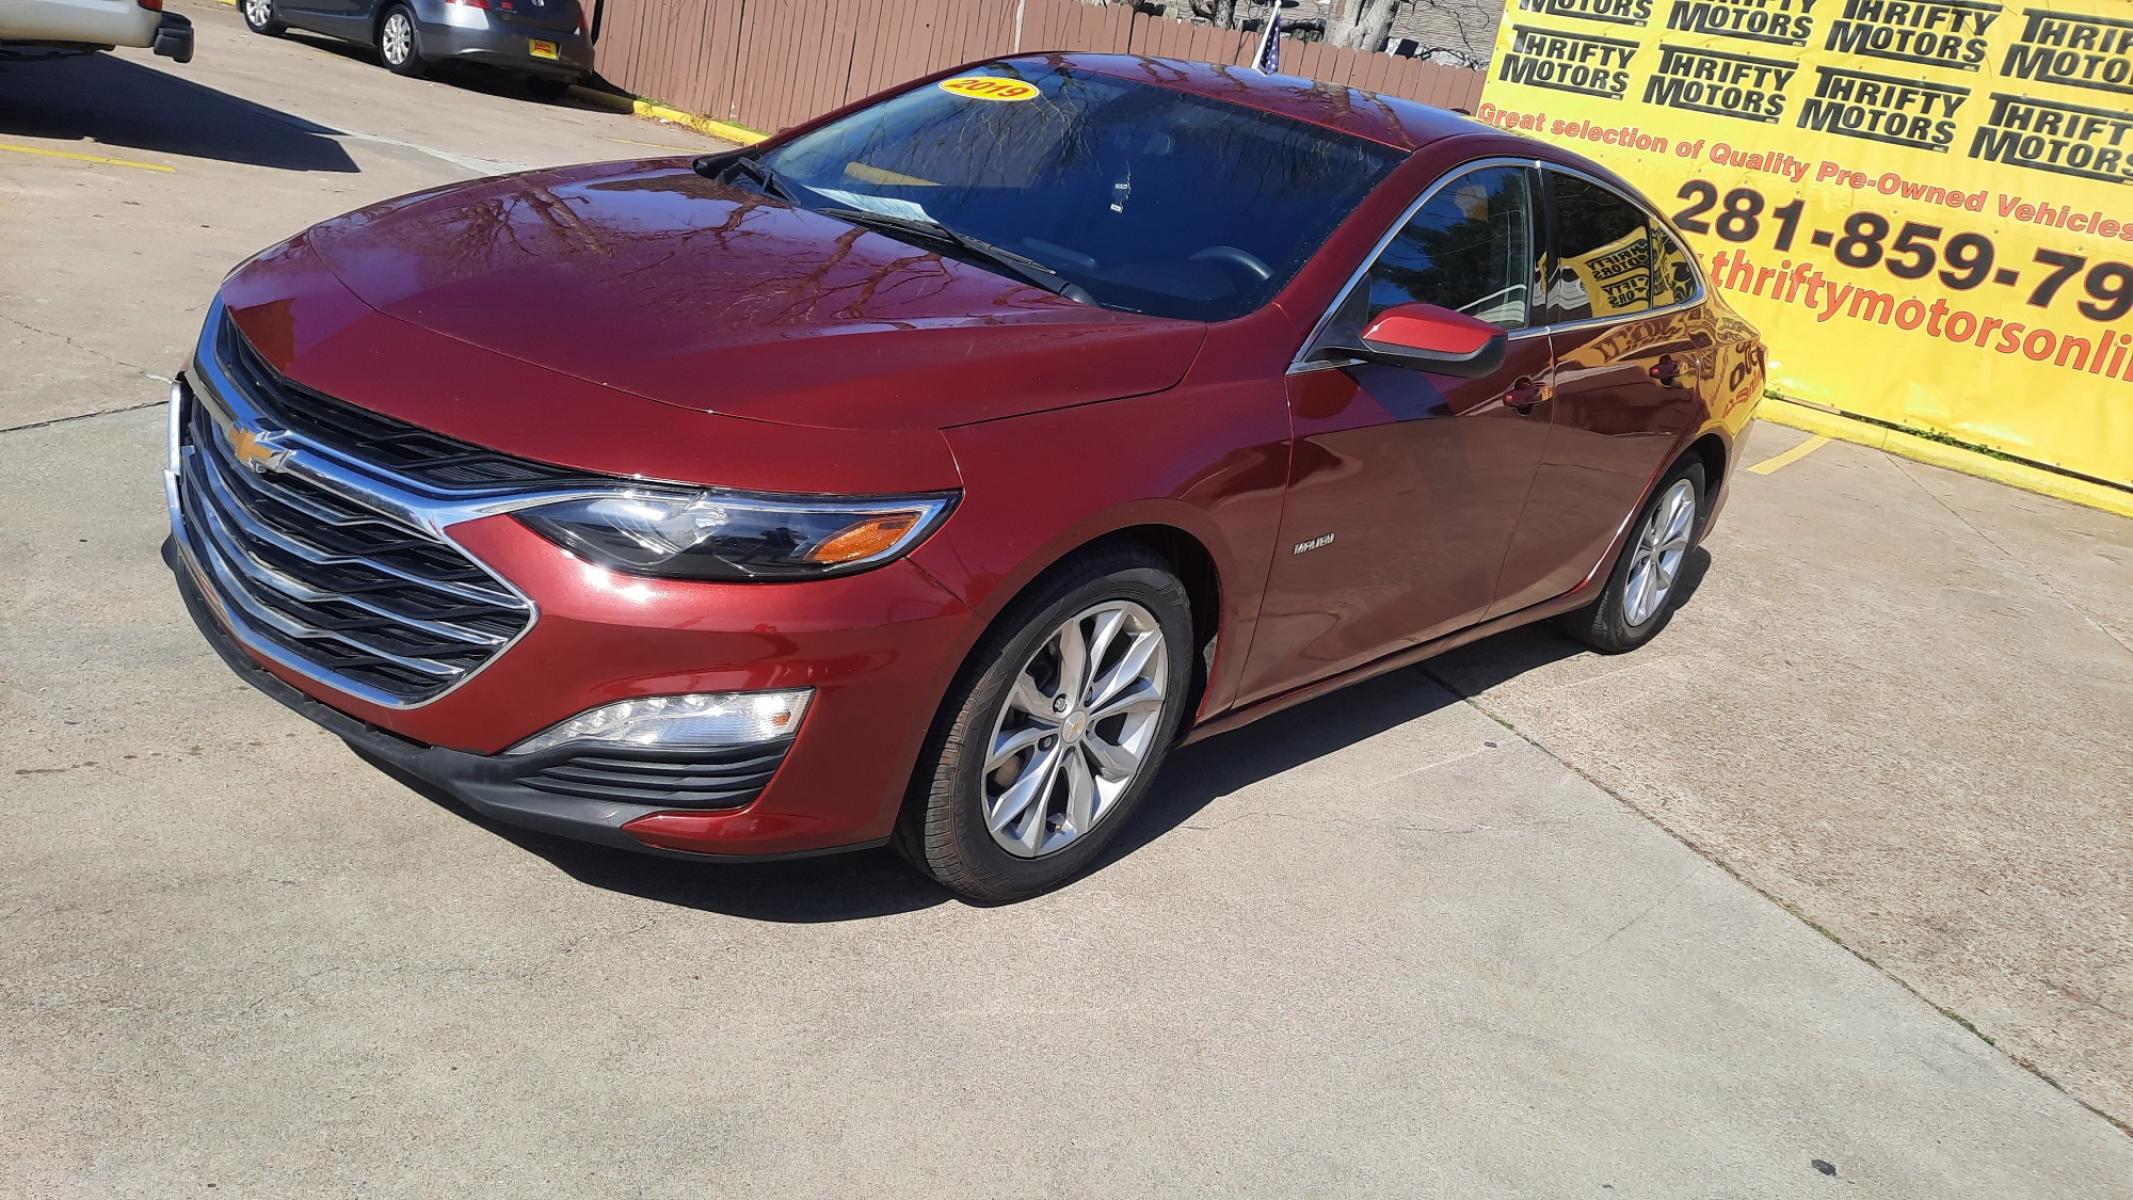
1673, 280
1470, 248
1604, 249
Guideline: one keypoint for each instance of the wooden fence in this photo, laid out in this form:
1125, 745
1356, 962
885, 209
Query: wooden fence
767, 64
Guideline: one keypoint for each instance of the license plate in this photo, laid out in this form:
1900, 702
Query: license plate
541, 49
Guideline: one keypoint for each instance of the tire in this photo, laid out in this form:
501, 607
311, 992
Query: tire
260, 17
944, 830
547, 88
399, 42
1626, 616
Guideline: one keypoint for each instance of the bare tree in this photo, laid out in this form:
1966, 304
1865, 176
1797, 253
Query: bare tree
1220, 13
1361, 24
1460, 31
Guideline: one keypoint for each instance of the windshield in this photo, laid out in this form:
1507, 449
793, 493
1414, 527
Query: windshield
1147, 199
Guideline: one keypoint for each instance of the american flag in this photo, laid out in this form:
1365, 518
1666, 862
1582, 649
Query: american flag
1268, 60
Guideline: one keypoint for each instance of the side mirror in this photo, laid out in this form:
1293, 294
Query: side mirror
1425, 337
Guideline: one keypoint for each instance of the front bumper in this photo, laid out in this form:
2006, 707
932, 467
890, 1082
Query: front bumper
875, 649
505, 788
497, 786
509, 48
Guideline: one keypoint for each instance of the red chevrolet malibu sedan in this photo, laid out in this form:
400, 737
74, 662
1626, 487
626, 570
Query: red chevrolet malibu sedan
926, 472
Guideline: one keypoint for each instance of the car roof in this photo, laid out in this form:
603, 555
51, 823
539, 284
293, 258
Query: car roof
1393, 121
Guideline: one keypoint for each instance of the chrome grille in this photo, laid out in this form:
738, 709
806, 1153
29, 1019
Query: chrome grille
364, 601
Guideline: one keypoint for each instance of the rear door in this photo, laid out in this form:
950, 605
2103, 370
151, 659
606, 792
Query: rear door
1404, 485
1631, 354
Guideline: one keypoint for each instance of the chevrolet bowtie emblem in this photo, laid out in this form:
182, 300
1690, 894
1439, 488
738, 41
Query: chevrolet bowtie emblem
255, 450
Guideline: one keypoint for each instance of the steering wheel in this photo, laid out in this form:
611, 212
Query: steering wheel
1243, 259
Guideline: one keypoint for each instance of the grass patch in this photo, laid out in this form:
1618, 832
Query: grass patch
1964, 1021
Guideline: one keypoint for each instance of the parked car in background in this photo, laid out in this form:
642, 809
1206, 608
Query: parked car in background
90, 25
927, 472
543, 42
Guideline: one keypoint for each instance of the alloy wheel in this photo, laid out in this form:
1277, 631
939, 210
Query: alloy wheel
397, 40
1657, 556
1078, 724
259, 13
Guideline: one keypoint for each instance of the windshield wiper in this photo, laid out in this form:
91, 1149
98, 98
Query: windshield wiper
724, 166
1027, 269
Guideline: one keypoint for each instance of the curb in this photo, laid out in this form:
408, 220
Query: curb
660, 112
1940, 454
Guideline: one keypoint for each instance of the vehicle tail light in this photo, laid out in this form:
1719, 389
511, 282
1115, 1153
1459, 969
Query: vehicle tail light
151, 5
470, 3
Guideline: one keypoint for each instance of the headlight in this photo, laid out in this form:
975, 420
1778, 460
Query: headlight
703, 721
713, 535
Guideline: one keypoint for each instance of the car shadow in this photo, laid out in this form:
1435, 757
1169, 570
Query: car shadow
352, 51
110, 101
831, 887
875, 883
1196, 776
1473, 669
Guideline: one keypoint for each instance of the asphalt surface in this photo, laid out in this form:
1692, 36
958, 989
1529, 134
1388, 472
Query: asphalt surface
1525, 922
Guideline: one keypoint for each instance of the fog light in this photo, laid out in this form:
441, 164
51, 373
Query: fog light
703, 721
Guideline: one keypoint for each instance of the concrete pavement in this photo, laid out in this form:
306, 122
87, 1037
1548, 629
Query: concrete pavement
107, 262
1903, 704
1393, 943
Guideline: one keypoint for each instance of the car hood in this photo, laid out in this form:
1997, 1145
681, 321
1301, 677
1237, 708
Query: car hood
648, 278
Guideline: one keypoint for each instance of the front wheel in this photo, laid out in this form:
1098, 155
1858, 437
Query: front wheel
398, 45
259, 17
1640, 595
1054, 731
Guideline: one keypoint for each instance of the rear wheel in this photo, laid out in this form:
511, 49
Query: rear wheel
1641, 595
398, 44
259, 17
1054, 731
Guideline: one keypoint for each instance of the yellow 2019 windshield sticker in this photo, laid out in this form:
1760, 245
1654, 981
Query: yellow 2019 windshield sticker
989, 87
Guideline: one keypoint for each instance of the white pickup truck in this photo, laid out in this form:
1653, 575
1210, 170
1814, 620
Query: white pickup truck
95, 25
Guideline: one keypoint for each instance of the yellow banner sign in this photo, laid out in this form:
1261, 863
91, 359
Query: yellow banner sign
1926, 205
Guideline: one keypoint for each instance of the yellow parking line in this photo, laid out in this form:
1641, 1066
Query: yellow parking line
95, 158
1791, 456
661, 146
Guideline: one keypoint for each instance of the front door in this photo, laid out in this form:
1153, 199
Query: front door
1404, 486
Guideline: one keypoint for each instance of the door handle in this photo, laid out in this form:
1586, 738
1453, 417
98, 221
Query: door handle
1524, 394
